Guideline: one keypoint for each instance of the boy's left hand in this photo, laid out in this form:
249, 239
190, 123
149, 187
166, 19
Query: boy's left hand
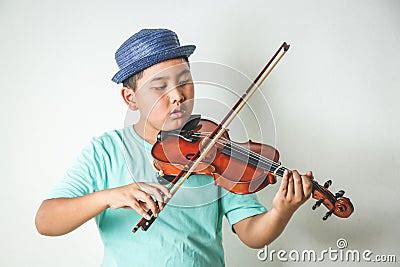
295, 189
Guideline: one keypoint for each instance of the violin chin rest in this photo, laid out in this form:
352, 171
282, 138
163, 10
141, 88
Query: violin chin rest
191, 123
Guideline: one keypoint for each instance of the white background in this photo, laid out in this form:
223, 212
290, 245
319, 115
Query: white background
334, 98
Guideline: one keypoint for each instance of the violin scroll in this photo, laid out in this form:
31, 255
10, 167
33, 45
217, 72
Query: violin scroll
336, 204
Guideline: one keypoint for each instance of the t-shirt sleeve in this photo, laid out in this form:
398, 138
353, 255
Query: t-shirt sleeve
83, 176
237, 207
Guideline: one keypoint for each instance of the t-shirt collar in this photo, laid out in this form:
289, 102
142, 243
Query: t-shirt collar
138, 138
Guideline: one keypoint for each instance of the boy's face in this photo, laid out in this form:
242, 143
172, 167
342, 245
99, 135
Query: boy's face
164, 88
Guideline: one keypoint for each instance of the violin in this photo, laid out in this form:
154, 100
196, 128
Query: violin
241, 168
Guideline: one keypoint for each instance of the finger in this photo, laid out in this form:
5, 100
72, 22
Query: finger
144, 197
307, 184
162, 188
310, 175
284, 182
134, 204
144, 206
298, 186
157, 194
153, 191
290, 193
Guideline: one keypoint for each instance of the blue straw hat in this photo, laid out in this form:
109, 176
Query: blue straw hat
146, 48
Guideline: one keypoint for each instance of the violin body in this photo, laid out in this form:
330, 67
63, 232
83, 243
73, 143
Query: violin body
232, 172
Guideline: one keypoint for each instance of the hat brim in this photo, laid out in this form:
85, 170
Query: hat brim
143, 63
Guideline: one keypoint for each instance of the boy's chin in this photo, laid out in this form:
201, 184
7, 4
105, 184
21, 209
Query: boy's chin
173, 124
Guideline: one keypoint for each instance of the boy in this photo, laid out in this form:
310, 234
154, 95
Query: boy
113, 180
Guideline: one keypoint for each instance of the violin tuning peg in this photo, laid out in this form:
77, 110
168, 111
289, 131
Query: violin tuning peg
327, 184
339, 194
328, 214
317, 204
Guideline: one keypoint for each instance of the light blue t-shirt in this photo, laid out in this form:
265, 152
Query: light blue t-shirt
186, 233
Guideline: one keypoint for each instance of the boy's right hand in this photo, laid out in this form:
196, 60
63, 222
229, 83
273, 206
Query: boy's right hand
139, 196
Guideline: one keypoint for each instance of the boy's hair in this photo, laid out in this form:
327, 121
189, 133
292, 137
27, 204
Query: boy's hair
130, 82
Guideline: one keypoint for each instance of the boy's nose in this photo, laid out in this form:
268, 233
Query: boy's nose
176, 95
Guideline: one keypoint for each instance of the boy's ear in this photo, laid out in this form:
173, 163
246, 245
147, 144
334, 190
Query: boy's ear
129, 97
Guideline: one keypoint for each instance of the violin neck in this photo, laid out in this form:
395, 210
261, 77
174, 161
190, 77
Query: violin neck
277, 170
258, 161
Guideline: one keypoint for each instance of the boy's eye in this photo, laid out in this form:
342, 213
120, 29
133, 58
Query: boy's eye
182, 83
159, 87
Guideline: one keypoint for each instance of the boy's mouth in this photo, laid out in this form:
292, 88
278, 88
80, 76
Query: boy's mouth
177, 113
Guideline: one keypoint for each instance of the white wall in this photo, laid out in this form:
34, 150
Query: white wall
334, 98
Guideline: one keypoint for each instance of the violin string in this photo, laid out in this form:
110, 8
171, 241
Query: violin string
246, 152
241, 150
252, 155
